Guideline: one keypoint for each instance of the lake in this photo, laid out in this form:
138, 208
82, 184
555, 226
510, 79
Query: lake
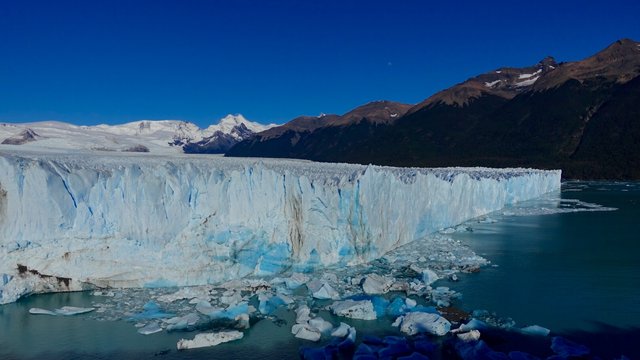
567, 262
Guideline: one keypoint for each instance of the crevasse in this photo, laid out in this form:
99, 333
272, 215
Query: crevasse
134, 220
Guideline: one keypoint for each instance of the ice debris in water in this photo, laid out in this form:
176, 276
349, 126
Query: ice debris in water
209, 339
420, 322
535, 330
377, 284
64, 311
149, 329
361, 310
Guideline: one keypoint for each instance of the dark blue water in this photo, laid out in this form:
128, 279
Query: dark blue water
576, 273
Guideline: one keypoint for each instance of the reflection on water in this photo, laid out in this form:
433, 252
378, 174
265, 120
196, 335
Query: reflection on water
565, 270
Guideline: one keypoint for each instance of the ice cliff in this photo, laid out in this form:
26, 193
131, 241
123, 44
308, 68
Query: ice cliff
73, 220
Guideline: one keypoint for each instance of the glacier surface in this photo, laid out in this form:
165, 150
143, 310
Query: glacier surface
73, 220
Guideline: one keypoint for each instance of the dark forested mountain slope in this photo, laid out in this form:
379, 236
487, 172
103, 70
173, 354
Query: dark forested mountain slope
582, 117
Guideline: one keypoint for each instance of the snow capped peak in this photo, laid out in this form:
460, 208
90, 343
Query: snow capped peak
228, 123
236, 119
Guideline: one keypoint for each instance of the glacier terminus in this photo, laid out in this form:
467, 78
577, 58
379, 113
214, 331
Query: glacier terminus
77, 220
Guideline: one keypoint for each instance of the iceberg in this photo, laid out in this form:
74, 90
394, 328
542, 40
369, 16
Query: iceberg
140, 220
150, 329
354, 309
421, 322
209, 339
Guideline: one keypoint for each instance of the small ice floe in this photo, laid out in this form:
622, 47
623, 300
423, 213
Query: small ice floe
182, 322
361, 309
230, 312
39, 311
377, 284
473, 324
72, 310
103, 293
295, 281
421, 322
190, 292
473, 335
231, 297
306, 332
321, 289
442, 296
303, 314
268, 303
209, 339
535, 330
149, 329
320, 324
343, 331
151, 310
63, 311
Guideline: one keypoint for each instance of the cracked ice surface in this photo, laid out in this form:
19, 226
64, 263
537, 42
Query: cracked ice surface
141, 220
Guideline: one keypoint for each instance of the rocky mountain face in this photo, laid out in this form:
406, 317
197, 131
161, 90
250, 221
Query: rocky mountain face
302, 137
582, 117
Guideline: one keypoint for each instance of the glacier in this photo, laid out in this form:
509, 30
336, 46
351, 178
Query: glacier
78, 220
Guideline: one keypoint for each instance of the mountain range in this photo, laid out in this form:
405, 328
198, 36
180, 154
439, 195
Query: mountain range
582, 117
156, 136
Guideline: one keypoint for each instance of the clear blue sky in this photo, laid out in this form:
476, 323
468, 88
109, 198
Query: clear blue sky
113, 61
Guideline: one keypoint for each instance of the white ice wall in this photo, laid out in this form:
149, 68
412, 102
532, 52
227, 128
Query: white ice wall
139, 220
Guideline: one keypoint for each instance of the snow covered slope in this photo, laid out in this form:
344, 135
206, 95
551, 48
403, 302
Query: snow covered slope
157, 136
128, 220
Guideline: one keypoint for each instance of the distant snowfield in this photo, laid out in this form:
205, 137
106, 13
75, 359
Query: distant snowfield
157, 136
131, 220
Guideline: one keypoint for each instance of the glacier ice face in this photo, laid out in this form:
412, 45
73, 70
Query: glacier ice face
134, 220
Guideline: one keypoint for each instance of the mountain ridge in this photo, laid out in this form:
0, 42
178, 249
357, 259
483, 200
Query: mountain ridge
544, 115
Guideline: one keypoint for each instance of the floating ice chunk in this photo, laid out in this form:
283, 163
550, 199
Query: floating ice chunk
442, 296
242, 321
306, 332
473, 324
39, 311
397, 307
322, 290
397, 322
190, 292
269, 303
420, 322
362, 309
151, 311
72, 310
231, 312
535, 330
150, 329
205, 308
182, 322
209, 339
344, 330
320, 324
377, 284
410, 303
103, 293
429, 276
303, 314
231, 297
473, 335
295, 280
